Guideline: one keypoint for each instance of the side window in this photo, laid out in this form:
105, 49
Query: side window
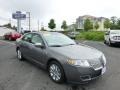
27, 37
37, 39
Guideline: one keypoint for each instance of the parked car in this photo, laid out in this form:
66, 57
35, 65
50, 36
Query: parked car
72, 35
25, 31
61, 56
112, 37
12, 35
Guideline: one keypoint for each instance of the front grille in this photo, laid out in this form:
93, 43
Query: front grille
96, 63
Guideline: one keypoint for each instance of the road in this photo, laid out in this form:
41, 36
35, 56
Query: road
17, 75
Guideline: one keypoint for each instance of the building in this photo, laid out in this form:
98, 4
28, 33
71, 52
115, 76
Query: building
80, 21
4, 30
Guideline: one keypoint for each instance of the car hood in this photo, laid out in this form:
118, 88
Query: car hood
78, 52
117, 34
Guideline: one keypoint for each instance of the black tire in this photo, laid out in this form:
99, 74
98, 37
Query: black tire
105, 42
21, 58
109, 43
61, 71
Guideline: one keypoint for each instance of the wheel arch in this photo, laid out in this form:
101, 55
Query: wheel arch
53, 59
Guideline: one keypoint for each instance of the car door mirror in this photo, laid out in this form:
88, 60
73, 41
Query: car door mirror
39, 45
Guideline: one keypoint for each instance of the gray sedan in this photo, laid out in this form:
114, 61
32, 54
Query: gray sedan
61, 56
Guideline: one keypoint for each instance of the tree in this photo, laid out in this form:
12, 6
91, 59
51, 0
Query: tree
114, 19
88, 25
14, 27
8, 25
52, 24
118, 23
107, 23
114, 22
64, 25
96, 25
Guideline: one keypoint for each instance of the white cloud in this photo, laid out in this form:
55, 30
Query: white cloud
60, 10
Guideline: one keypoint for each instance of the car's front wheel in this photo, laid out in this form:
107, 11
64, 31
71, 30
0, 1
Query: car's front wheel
19, 55
109, 43
56, 72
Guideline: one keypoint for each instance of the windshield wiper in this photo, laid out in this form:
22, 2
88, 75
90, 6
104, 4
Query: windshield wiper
69, 44
55, 46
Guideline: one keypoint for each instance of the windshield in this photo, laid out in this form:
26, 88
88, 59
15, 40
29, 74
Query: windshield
57, 39
115, 32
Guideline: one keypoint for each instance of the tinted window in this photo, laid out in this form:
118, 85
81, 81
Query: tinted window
27, 37
36, 39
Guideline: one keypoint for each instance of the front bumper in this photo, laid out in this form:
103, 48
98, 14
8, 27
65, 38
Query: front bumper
79, 75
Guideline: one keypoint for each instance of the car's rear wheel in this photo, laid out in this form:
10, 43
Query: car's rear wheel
19, 55
56, 72
105, 42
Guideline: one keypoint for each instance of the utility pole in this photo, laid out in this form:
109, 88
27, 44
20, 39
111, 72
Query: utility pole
29, 17
38, 26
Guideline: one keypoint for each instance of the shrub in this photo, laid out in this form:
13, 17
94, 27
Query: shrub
91, 35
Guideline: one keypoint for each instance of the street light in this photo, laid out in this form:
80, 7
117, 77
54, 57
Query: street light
29, 20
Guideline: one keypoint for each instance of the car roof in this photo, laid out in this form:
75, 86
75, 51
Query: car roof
114, 30
46, 32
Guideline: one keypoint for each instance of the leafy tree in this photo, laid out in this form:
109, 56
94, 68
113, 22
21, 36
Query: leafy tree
88, 25
43, 29
64, 25
114, 19
14, 27
96, 25
107, 23
8, 25
52, 24
118, 23
114, 22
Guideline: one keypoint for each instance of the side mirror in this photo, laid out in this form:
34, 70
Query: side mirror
39, 45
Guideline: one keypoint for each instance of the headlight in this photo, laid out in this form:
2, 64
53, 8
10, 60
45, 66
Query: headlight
114, 37
79, 63
104, 59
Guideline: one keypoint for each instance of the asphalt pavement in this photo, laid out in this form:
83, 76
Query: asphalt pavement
23, 75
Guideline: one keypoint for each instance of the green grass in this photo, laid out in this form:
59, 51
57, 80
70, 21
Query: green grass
91, 35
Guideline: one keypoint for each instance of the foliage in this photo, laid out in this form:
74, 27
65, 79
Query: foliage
64, 25
88, 25
118, 24
52, 24
107, 23
8, 25
91, 35
96, 25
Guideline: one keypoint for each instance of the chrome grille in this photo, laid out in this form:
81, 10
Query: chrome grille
96, 63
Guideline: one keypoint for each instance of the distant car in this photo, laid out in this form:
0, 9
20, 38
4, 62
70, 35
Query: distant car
12, 35
61, 56
72, 35
25, 31
112, 37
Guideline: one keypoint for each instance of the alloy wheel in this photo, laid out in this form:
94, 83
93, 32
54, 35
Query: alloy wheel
55, 72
